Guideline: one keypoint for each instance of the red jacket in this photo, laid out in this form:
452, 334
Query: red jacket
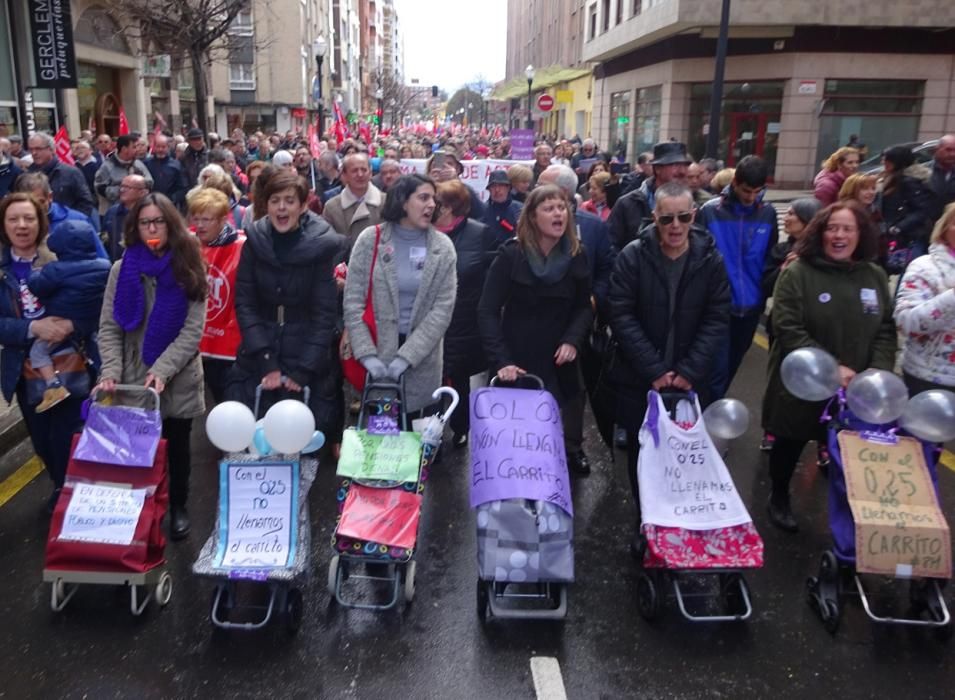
827, 185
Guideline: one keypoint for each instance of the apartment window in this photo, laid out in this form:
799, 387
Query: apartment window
619, 15
242, 24
606, 15
646, 123
242, 76
619, 123
592, 22
637, 8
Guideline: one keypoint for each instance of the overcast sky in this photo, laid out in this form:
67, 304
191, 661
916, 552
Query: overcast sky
452, 42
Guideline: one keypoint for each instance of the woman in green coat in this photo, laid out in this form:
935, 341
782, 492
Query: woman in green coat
835, 298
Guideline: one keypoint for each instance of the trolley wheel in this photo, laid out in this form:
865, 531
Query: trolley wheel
648, 601
483, 601
829, 612
58, 594
293, 610
828, 567
333, 574
164, 589
409, 580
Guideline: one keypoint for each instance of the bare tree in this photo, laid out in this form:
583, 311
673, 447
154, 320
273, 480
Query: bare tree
185, 29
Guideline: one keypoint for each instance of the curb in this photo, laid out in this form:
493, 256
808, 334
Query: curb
13, 429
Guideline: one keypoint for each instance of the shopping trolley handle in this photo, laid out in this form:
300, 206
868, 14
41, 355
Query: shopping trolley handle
306, 394
495, 380
129, 389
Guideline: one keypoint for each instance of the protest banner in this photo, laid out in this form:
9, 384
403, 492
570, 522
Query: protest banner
380, 457
102, 514
384, 516
257, 509
221, 335
475, 173
517, 448
900, 529
522, 144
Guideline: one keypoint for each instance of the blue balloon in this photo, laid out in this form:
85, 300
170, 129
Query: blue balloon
315, 444
259, 442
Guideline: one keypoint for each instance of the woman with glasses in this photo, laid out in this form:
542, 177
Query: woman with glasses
153, 315
535, 311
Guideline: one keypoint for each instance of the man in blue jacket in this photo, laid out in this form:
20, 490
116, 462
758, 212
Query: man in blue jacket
168, 175
502, 210
38, 185
745, 230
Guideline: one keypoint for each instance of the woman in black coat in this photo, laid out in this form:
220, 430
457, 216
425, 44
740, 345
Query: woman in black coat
475, 244
287, 303
535, 311
905, 205
669, 312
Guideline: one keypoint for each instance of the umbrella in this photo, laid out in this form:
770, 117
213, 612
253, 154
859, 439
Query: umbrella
603, 395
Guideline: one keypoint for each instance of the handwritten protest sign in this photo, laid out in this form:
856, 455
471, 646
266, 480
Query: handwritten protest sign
522, 143
475, 173
257, 507
683, 480
102, 514
122, 435
517, 448
383, 457
900, 529
385, 516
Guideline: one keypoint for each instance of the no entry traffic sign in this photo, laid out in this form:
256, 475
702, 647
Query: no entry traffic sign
545, 103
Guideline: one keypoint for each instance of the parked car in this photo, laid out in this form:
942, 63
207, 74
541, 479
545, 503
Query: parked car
924, 152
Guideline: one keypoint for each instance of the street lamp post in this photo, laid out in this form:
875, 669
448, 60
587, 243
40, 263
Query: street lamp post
320, 47
529, 72
716, 99
487, 99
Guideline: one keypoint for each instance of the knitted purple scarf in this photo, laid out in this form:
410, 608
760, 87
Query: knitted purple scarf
129, 306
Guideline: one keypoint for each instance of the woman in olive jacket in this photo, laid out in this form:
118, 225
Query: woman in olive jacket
835, 298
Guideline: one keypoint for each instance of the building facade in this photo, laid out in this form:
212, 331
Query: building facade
800, 77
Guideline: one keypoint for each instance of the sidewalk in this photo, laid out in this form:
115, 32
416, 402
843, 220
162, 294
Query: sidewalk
12, 428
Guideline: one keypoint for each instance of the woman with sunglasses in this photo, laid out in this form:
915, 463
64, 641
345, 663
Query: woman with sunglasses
153, 314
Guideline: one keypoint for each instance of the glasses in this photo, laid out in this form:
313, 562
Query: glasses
158, 222
684, 217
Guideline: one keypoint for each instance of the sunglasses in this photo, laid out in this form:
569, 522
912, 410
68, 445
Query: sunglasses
684, 217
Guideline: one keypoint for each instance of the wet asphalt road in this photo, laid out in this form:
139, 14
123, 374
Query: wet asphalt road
437, 648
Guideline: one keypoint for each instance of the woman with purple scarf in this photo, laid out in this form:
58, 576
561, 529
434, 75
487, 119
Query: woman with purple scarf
153, 314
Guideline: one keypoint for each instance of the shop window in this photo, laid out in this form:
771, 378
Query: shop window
241, 76
619, 123
646, 127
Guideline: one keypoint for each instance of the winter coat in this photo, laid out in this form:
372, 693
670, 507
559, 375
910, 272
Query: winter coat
475, 246
72, 286
943, 188
68, 185
193, 162
114, 221
827, 185
430, 316
595, 237
169, 178
524, 321
641, 322
502, 217
57, 214
603, 213
909, 206
925, 315
9, 172
745, 236
846, 310
287, 312
111, 173
179, 366
349, 217
632, 213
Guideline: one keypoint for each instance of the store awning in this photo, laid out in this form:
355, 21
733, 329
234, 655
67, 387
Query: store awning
543, 79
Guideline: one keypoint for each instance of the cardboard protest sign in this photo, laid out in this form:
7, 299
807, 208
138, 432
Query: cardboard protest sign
385, 516
102, 514
257, 508
382, 457
517, 448
900, 529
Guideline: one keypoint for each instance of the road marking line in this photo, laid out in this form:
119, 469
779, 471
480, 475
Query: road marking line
548, 682
20, 478
947, 459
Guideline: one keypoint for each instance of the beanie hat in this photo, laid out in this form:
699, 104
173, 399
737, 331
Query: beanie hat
805, 208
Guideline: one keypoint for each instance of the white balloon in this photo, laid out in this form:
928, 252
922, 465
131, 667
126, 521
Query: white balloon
289, 426
877, 396
230, 426
930, 416
726, 419
810, 374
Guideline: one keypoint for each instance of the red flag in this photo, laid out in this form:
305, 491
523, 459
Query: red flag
340, 133
123, 124
62, 143
364, 132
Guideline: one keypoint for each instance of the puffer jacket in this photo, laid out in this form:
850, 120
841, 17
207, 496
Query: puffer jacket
827, 184
745, 236
641, 321
72, 286
502, 217
287, 312
925, 314
909, 206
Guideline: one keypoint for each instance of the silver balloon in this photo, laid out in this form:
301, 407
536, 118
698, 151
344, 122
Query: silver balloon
810, 374
930, 416
877, 396
726, 419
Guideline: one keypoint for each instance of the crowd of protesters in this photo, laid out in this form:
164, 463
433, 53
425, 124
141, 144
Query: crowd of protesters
670, 259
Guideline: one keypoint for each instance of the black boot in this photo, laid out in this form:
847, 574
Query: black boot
781, 515
179, 523
579, 463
